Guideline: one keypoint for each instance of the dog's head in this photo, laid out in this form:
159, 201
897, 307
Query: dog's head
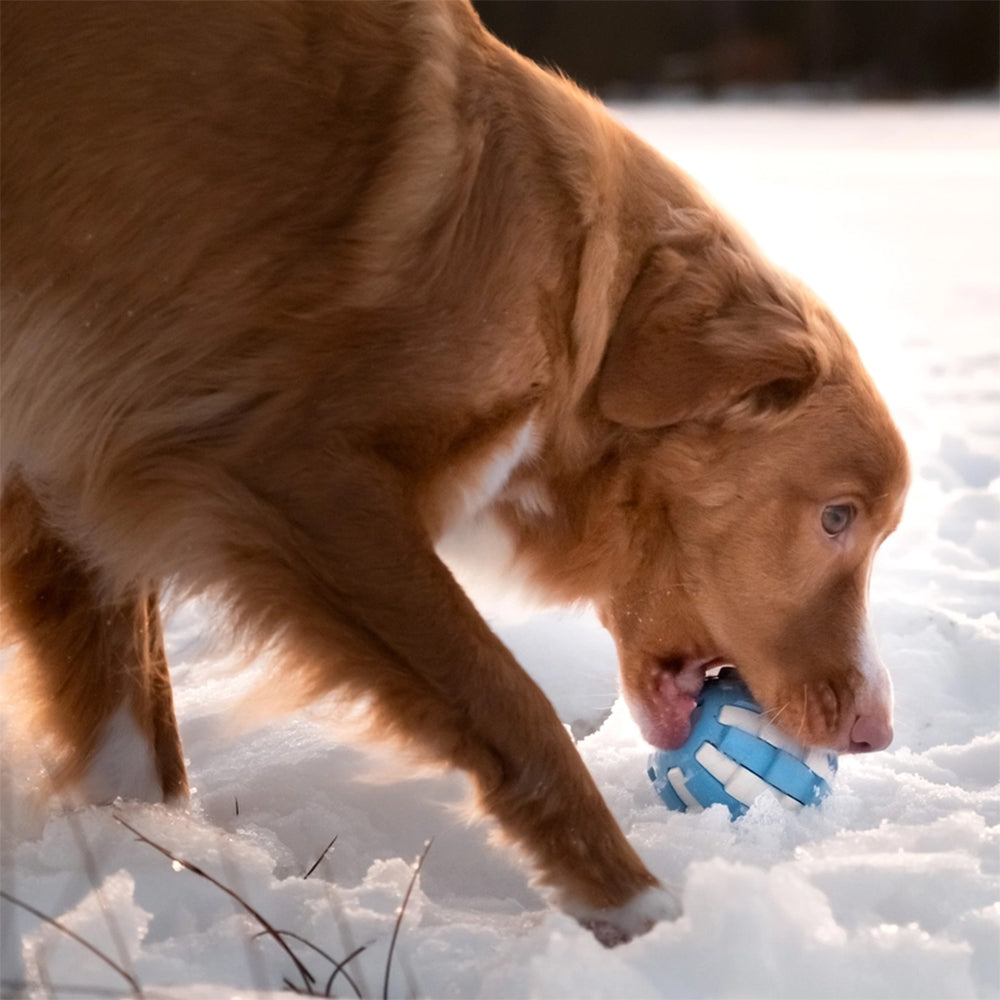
755, 472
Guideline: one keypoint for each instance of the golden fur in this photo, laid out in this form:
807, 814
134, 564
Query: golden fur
282, 287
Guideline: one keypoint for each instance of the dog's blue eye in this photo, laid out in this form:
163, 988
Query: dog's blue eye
837, 517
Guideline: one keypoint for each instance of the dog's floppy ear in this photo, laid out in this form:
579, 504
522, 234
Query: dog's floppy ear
693, 342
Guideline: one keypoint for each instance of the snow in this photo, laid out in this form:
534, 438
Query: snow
888, 889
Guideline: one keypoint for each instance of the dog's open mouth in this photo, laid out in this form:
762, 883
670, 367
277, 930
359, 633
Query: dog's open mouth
664, 716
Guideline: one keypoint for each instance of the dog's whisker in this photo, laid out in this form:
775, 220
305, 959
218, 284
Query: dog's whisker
772, 714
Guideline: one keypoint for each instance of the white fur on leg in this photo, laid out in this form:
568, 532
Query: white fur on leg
617, 926
123, 766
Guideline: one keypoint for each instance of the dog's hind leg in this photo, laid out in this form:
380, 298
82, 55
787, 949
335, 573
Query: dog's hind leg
96, 669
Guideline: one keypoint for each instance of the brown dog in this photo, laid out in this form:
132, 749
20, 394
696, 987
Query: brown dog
289, 291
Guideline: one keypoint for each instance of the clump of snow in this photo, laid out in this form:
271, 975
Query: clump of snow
888, 889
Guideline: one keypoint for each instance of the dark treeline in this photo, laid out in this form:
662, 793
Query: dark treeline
850, 48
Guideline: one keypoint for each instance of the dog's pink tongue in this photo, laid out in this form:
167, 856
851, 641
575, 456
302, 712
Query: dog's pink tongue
670, 724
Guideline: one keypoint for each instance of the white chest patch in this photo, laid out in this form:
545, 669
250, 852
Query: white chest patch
474, 542
488, 481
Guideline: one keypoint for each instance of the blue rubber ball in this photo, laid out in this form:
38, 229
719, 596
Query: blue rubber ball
734, 754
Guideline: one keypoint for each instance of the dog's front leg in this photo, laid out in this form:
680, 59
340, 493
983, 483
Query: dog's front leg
368, 606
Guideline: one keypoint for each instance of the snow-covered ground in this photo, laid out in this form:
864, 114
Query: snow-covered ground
889, 889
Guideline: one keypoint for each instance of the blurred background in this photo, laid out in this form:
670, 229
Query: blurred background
822, 49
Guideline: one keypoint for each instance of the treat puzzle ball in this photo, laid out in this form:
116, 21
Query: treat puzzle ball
734, 754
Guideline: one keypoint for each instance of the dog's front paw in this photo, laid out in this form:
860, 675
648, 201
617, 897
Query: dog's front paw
619, 925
